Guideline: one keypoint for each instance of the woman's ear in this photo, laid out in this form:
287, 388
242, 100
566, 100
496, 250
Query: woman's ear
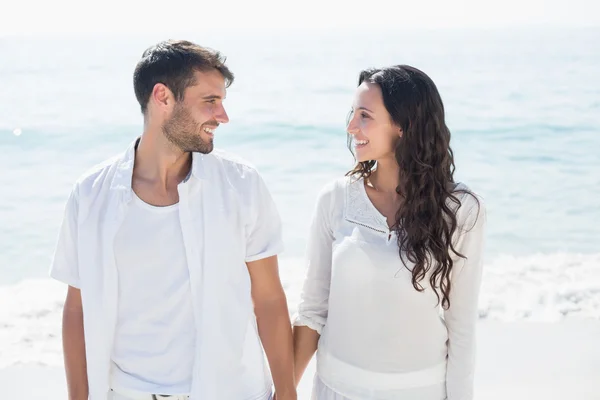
400, 132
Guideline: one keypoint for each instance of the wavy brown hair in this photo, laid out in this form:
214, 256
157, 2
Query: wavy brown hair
426, 221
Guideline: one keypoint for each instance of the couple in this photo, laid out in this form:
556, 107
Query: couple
170, 252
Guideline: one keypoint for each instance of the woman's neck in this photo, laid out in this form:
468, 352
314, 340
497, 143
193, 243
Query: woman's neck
386, 177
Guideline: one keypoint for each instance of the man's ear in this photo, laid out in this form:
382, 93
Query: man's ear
162, 97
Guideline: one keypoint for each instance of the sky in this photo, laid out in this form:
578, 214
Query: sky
19, 17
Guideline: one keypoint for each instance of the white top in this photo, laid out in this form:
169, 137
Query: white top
155, 336
380, 338
227, 218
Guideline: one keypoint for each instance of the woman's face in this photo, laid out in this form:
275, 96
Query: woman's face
370, 125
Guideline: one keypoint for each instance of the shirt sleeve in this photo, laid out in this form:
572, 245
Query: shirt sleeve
65, 266
264, 233
314, 299
461, 317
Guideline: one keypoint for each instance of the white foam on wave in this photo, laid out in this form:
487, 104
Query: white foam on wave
543, 287
30, 322
539, 288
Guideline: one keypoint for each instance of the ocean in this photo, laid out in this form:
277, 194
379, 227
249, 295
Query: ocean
523, 106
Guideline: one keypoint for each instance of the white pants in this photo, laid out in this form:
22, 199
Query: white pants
135, 396
322, 392
131, 395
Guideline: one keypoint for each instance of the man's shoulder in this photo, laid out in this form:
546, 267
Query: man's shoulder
232, 160
98, 174
234, 167
232, 172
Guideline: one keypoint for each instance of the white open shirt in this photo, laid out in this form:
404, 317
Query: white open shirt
380, 338
227, 219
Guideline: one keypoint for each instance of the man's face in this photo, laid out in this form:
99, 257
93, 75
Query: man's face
193, 120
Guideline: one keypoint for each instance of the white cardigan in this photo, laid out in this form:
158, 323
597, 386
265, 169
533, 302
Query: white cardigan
380, 338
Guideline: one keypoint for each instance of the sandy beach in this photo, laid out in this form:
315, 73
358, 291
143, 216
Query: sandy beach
516, 361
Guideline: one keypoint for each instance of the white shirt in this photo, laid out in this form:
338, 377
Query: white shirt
155, 336
227, 218
380, 338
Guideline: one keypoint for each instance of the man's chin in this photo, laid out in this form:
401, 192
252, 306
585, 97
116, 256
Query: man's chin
203, 150
205, 147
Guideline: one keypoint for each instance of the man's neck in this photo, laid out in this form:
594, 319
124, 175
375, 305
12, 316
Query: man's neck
158, 162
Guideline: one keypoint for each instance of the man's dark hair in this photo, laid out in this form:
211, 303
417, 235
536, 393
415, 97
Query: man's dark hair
173, 63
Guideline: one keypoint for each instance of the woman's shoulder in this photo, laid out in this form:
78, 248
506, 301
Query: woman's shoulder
465, 193
333, 194
338, 186
471, 203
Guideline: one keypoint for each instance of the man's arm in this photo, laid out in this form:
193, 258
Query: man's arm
274, 327
74, 346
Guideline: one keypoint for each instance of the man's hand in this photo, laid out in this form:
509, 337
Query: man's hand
274, 327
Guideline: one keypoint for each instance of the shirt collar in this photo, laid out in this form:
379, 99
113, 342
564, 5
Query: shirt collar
359, 209
125, 162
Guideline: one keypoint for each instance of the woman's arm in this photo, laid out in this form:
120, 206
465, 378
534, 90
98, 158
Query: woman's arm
312, 311
461, 317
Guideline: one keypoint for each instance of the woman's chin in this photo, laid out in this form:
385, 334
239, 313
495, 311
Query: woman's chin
361, 156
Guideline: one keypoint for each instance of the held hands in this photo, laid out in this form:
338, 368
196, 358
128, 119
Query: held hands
286, 396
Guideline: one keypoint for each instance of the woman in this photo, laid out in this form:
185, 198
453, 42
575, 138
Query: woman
394, 254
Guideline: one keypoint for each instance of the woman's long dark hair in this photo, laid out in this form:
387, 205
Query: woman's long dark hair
425, 222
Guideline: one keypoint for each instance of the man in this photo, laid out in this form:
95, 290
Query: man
170, 254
